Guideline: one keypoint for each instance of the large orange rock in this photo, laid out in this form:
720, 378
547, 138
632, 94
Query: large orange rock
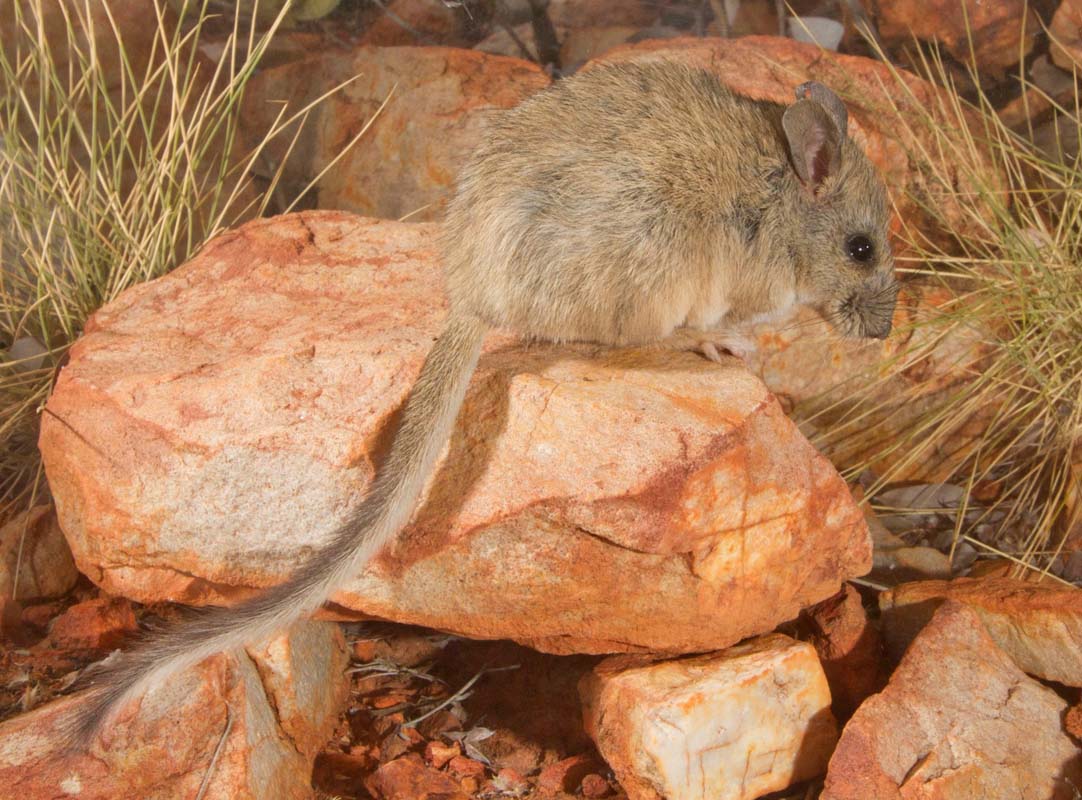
1038, 625
997, 33
736, 725
122, 34
215, 425
408, 160
35, 561
249, 725
958, 721
1066, 34
862, 396
406, 22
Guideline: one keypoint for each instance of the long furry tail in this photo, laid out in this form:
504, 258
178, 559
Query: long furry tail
427, 420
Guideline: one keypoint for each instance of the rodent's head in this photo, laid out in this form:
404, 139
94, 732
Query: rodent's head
845, 268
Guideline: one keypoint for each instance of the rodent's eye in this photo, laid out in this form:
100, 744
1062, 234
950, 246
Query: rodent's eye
860, 248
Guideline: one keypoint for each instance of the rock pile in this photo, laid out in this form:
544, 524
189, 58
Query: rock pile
646, 505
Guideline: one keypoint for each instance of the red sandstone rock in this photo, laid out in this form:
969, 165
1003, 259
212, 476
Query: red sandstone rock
595, 785
849, 647
1066, 34
438, 754
994, 30
1038, 625
737, 724
219, 423
566, 775
268, 716
465, 767
100, 624
33, 547
403, 22
407, 161
957, 721
407, 778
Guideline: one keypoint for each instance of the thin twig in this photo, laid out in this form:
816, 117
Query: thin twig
721, 18
544, 34
879, 587
461, 694
520, 44
217, 753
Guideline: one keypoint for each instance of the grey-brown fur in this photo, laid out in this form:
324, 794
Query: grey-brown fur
615, 207
633, 199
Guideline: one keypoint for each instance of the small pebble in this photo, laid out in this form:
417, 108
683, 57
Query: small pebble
594, 785
438, 754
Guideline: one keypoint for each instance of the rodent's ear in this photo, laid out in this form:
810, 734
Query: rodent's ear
813, 90
814, 142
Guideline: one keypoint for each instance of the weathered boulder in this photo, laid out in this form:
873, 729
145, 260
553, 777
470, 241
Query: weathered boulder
1066, 34
249, 725
406, 163
98, 27
957, 721
737, 724
421, 22
1039, 625
214, 426
35, 561
997, 34
99, 624
407, 778
855, 399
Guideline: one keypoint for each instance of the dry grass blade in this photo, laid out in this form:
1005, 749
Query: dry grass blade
118, 159
1005, 424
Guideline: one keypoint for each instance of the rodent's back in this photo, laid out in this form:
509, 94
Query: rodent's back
593, 209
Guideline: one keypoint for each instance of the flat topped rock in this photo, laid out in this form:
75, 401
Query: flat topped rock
214, 426
957, 721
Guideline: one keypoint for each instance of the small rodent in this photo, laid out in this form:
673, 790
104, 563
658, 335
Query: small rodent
613, 207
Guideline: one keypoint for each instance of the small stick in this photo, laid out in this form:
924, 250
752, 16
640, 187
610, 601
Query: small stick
721, 18
217, 754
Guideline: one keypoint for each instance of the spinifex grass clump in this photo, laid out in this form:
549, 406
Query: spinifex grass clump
117, 161
1006, 427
